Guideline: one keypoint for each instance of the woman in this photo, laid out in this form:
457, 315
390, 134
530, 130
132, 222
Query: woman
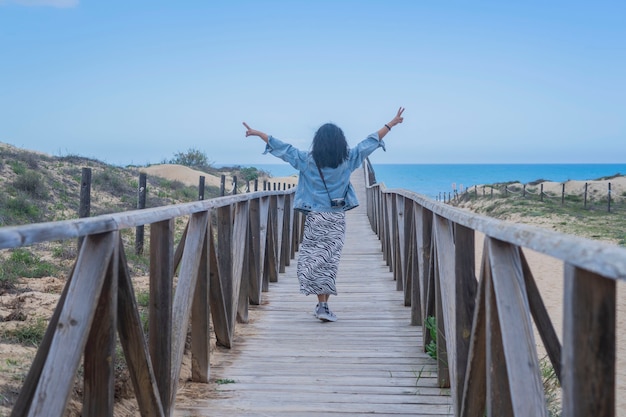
324, 193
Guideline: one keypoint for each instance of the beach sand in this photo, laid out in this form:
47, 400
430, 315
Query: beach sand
191, 177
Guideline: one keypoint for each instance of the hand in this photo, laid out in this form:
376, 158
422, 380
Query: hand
253, 132
398, 119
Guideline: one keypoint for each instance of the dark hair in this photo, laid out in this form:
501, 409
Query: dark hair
329, 148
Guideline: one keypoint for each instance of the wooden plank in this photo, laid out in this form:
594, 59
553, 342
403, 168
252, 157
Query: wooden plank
280, 219
224, 264
200, 318
518, 340
99, 358
414, 269
464, 299
424, 223
443, 370
254, 268
407, 254
264, 207
285, 248
541, 318
238, 246
400, 267
271, 248
498, 398
133, 341
57, 376
474, 396
162, 265
360, 365
183, 297
16, 236
217, 302
588, 344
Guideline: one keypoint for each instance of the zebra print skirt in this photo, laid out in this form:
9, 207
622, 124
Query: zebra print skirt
320, 251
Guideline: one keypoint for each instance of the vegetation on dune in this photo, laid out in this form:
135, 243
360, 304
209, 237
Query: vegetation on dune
569, 214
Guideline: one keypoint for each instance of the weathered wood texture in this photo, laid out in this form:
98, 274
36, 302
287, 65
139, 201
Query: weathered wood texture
288, 363
424, 246
490, 350
99, 299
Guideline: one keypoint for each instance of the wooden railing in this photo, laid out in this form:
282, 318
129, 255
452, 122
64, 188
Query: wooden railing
487, 353
230, 249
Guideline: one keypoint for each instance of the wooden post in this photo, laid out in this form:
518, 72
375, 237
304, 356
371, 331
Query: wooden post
589, 346
234, 185
141, 204
563, 194
541, 193
256, 184
506, 191
491, 192
609, 208
160, 309
585, 204
524, 191
84, 210
201, 188
222, 185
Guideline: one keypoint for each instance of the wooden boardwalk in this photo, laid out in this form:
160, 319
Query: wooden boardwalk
287, 363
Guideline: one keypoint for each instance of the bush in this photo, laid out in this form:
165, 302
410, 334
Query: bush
32, 183
23, 264
17, 167
249, 174
18, 210
110, 181
31, 334
193, 158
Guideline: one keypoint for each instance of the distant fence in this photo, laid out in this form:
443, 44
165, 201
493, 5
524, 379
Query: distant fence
486, 349
588, 195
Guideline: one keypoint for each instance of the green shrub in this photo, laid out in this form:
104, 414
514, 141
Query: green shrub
31, 183
17, 167
193, 158
22, 263
31, 334
431, 326
18, 210
112, 182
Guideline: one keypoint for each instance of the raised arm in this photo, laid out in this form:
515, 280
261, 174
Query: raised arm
253, 132
387, 127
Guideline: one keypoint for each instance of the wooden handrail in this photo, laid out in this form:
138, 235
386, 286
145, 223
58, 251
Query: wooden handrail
486, 348
248, 242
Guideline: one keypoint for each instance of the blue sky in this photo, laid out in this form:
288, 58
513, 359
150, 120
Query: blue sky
134, 82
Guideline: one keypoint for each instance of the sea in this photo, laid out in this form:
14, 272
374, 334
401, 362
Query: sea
432, 180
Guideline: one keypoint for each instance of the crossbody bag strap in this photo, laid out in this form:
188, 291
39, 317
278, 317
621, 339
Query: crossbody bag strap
324, 181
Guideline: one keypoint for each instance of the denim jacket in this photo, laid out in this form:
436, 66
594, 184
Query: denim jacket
311, 195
